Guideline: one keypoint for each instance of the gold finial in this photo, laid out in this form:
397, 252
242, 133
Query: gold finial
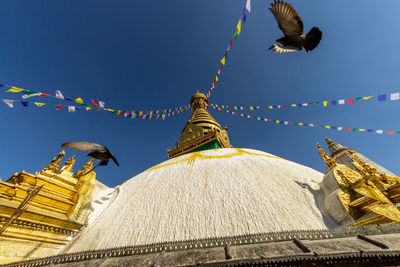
68, 164
329, 142
85, 169
198, 100
55, 162
328, 160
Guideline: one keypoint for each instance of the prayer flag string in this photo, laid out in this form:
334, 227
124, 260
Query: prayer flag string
345, 101
287, 123
223, 61
94, 105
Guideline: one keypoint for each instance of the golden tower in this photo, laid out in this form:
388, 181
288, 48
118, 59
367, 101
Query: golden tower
40, 213
201, 132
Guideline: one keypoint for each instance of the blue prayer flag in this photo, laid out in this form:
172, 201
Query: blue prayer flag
69, 99
244, 16
333, 127
381, 97
334, 102
370, 130
24, 103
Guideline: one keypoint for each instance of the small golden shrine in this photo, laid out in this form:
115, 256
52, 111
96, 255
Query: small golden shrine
367, 195
40, 213
201, 132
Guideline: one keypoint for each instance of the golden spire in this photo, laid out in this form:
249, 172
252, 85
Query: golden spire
202, 131
329, 141
85, 169
328, 160
55, 162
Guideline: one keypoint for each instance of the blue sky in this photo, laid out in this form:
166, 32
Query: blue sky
148, 55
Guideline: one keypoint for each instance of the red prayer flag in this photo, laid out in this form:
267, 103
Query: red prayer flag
269, 120
230, 44
389, 132
45, 95
347, 129
58, 107
284, 106
95, 103
252, 117
290, 122
350, 100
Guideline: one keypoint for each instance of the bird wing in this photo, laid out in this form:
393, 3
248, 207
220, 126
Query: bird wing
83, 146
114, 159
312, 39
279, 49
286, 16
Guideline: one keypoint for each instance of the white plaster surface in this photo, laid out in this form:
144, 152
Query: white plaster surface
212, 193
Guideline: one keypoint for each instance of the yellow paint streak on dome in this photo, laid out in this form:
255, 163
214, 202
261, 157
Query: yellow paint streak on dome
190, 159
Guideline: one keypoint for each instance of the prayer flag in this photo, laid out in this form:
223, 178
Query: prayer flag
9, 102
71, 108
69, 99
95, 103
248, 5
244, 16
216, 78
395, 96
59, 95
367, 97
223, 61
28, 93
334, 102
87, 108
379, 131
361, 130
350, 100
381, 97
339, 128
239, 27
101, 104
42, 94
235, 35
24, 103
370, 130
58, 107
358, 98
347, 129
325, 103
39, 104
389, 132
79, 100
341, 101
15, 90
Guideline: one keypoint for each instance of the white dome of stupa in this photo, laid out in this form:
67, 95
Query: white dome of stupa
205, 194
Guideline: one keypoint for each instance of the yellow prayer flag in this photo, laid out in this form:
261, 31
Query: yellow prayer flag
39, 104
15, 90
367, 97
242, 115
258, 118
300, 123
325, 103
216, 78
87, 108
277, 121
251, 108
110, 110
235, 107
361, 130
293, 105
156, 111
223, 106
133, 116
140, 112
271, 107
223, 61
327, 126
239, 26
79, 100
173, 112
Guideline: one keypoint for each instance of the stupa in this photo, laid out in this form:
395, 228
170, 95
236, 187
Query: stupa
214, 205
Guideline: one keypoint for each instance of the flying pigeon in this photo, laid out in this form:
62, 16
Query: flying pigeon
292, 26
96, 151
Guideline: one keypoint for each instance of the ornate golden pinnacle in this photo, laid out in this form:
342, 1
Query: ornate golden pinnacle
328, 160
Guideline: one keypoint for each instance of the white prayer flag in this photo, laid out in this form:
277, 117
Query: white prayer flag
59, 95
395, 96
379, 131
265, 119
70, 108
305, 104
341, 101
101, 104
339, 128
248, 5
286, 122
9, 102
28, 96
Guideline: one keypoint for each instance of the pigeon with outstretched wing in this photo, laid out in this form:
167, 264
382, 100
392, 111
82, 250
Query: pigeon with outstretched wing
95, 151
292, 26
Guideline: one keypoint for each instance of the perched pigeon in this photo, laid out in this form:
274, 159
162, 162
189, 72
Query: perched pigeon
96, 151
292, 26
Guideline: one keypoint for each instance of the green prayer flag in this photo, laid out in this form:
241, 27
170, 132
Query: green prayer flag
235, 35
358, 98
317, 103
